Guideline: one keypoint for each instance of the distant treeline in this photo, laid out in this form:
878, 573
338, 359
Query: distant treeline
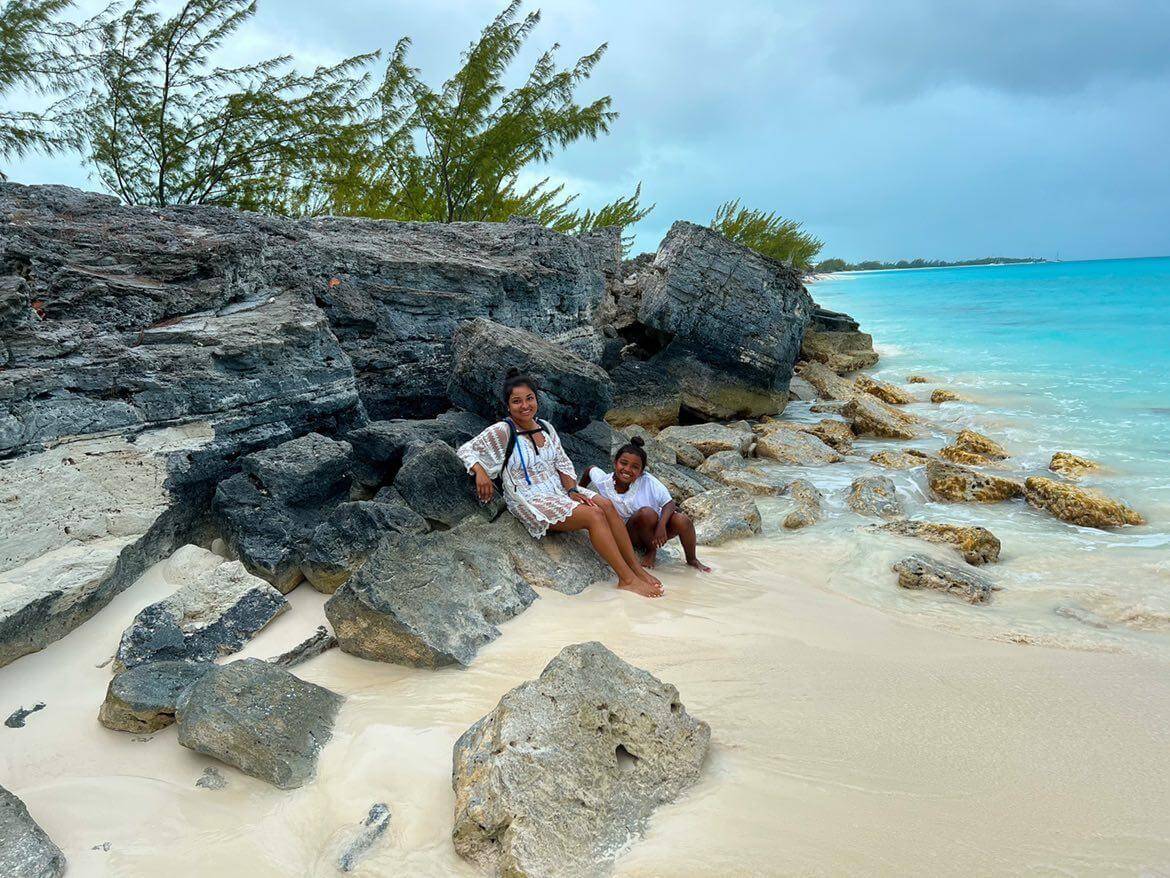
827, 265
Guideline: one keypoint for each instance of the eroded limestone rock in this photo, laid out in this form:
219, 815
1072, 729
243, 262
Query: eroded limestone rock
919, 572
869, 416
707, 439
899, 459
809, 509
794, 447
942, 395
1071, 465
345, 539
955, 483
722, 514
973, 449
883, 390
731, 468
1077, 505
25, 850
876, 496
840, 351
570, 766
827, 383
976, 544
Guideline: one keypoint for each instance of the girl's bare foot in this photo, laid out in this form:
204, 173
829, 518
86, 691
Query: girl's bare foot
642, 587
650, 559
698, 565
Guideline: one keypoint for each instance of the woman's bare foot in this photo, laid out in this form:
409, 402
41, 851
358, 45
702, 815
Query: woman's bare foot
642, 587
698, 565
650, 559
649, 577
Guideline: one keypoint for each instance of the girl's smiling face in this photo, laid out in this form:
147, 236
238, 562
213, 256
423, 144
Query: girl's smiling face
626, 468
522, 404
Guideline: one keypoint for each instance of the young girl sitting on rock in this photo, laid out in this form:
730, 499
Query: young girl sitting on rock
644, 504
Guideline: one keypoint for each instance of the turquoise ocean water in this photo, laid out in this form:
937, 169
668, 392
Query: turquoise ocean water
1071, 356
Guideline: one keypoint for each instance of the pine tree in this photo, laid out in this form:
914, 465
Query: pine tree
163, 126
767, 233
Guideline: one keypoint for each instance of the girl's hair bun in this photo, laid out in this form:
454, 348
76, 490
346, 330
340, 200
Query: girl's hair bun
512, 373
639, 441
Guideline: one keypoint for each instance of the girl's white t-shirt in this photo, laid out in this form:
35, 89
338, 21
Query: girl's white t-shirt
646, 491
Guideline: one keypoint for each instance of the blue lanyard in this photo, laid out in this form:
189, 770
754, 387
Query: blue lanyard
520, 451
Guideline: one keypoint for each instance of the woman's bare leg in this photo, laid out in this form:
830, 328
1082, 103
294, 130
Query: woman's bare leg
621, 536
593, 520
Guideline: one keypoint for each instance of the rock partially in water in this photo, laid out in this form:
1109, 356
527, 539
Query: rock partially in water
919, 572
25, 850
827, 383
838, 435
899, 459
371, 829
260, 719
731, 468
218, 608
722, 514
842, 352
942, 395
570, 766
434, 600
345, 539
869, 416
708, 439
974, 449
18, 717
955, 483
976, 544
794, 447
1071, 465
144, 698
573, 391
734, 320
876, 496
211, 779
883, 390
1079, 506
917, 379
809, 509
317, 643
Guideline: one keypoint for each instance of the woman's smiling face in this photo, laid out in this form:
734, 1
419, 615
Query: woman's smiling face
626, 468
522, 405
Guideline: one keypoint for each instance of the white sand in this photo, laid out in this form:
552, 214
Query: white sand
845, 742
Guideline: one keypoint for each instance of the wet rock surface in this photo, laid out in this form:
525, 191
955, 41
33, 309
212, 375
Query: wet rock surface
359, 844
144, 698
942, 395
955, 483
1080, 506
883, 390
898, 459
722, 514
260, 719
1071, 465
18, 717
570, 766
869, 416
973, 449
809, 509
218, 608
732, 469
841, 351
25, 850
875, 496
793, 447
976, 544
827, 383
921, 572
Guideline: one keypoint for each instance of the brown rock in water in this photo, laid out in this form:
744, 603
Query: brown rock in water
751, 474
883, 390
722, 514
869, 416
940, 396
875, 495
828, 407
836, 434
1071, 465
956, 483
568, 768
840, 351
808, 505
917, 379
918, 571
827, 383
978, 545
973, 449
1079, 505
795, 448
899, 459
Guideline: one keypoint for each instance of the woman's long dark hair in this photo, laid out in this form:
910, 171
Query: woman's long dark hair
513, 379
635, 446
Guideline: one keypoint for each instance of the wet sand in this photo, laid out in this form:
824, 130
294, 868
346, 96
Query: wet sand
846, 740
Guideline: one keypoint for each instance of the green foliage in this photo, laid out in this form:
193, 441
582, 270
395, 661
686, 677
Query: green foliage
457, 152
35, 55
828, 265
163, 126
767, 233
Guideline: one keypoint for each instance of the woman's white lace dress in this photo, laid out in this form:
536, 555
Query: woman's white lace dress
544, 501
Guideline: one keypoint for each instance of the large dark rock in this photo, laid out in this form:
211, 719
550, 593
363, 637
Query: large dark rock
568, 768
345, 539
573, 391
144, 698
434, 483
307, 470
384, 443
434, 600
259, 718
25, 850
592, 446
645, 394
735, 320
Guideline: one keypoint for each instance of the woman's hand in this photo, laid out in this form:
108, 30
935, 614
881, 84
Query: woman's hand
484, 489
583, 499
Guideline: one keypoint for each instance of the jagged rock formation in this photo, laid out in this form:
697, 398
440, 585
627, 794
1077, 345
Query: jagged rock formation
899, 459
948, 481
570, 766
25, 850
737, 471
835, 339
976, 544
809, 509
920, 572
883, 390
1072, 465
973, 449
778, 442
707, 439
1079, 505
875, 496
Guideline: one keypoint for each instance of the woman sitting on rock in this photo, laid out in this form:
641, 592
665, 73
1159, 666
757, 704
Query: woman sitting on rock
645, 504
540, 484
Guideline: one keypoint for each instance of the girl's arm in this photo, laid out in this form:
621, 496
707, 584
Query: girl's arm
660, 535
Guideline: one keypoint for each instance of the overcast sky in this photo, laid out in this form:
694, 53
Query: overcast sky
892, 128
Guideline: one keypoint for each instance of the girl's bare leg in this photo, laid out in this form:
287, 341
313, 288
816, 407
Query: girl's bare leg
682, 527
640, 529
593, 520
621, 536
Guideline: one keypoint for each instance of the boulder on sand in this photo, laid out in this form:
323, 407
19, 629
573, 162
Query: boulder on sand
1079, 505
918, 572
734, 320
643, 394
435, 599
434, 483
572, 390
570, 766
708, 439
722, 514
25, 850
808, 505
218, 608
977, 545
259, 718
955, 483
302, 471
883, 390
342, 542
869, 416
876, 496
1071, 465
144, 698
